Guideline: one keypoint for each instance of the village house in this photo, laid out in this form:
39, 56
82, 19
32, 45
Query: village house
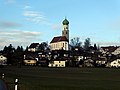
88, 63
30, 62
33, 47
30, 58
108, 50
43, 58
3, 60
101, 61
115, 63
57, 63
117, 51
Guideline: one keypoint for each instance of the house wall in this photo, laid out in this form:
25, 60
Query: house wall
115, 63
117, 51
100, 62
30, 62
57, 64
101, 50
3, 60
59, 45
32, 49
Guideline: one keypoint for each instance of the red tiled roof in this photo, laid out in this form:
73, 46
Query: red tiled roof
58, 39
33, 45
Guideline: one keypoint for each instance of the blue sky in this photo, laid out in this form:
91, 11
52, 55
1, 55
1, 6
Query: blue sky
23, 22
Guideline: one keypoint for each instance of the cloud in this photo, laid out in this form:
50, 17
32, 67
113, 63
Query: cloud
35, 17
7, 24
18, 37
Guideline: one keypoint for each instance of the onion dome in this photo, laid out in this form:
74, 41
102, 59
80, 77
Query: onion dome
65, 22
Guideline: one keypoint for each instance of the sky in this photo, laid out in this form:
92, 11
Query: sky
23, 22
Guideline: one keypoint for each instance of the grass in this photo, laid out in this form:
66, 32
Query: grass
39, 78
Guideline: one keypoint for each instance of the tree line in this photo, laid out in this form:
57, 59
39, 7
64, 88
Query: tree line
76, 43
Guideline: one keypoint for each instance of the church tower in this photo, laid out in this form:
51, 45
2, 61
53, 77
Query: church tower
65, 31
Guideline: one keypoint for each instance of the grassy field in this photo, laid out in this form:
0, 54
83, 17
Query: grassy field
38, 78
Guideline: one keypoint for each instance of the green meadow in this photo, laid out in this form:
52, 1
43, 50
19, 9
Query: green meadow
43, 78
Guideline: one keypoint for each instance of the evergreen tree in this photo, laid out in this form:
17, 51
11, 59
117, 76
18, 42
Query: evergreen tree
21, 49
10, 53
95, 47
5, 50
18, 49
26, 48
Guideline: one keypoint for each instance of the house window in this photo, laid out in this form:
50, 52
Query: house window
56, 65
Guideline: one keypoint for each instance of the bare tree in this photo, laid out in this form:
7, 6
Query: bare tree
75, 42
87, 44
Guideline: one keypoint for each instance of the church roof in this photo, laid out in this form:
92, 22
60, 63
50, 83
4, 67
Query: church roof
65, 22
59, 39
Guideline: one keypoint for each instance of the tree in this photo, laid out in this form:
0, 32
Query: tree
18, 55
5, 50
21, 49
18, 49
11, 48
95, 47
75, 42
26, 48
87, 44
9, 51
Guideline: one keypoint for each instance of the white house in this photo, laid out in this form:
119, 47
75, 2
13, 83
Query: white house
57, 63
3, 60
117, 51
115, 63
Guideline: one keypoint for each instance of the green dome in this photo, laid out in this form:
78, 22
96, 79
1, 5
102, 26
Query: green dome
65, 22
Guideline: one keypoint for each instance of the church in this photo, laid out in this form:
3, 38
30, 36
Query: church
61, 42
